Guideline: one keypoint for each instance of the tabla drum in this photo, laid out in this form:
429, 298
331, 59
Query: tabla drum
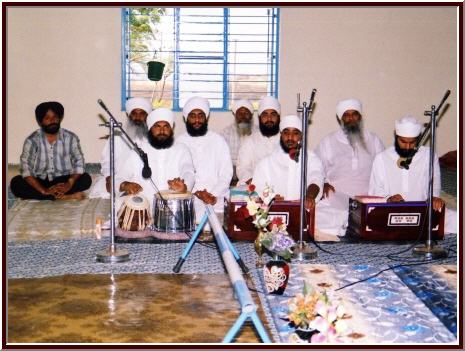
173, 212
134, 213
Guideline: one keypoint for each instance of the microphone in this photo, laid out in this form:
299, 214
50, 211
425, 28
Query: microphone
146, 170
100, 102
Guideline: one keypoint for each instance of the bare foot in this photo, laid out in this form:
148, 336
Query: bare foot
76, 196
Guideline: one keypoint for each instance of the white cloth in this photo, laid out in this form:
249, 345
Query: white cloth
253, 150
123, 150
242, 103
349, 104
138, 102
348, 170
194, 103
408, 127
160, 114
388, 179
235, 140
283, 174
290, 121
269, 103
166, 164
213, 167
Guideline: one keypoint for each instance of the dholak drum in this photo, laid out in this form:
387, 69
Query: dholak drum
176, 215
134, 213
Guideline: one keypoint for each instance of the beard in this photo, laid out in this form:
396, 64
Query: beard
136, 130
51, 128
244, 128
405, 153
196, 132
268, 131
285, 148
354, 133
158, 142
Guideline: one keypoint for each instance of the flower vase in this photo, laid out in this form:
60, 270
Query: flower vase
276, 274
305, 334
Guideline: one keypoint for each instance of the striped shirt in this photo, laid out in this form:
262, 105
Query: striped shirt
43, 160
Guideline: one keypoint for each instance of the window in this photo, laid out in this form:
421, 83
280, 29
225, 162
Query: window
222, 54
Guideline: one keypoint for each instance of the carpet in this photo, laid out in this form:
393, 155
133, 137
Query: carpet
32, 259
48, 220
383, 309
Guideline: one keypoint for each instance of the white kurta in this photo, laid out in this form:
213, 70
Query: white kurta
283, 174
348, 170
234, 140
166, 164
213, 167
388, 179
252, 151
123, 150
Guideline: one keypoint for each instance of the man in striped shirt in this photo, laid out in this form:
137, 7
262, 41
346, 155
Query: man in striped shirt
52, 163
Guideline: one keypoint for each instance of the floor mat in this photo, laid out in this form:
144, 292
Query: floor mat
48, 220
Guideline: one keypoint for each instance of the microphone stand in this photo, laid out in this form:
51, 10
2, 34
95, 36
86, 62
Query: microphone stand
112, 254
303, 251
428, 250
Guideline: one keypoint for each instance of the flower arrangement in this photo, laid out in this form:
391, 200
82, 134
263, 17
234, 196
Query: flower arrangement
272, 233
318, 313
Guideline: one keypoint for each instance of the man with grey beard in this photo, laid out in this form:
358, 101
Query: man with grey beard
347, 156
137, 110
239, 130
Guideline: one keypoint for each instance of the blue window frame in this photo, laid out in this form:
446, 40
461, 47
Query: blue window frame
223, 54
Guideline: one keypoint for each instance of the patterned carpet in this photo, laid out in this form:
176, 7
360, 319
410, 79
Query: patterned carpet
77, 256
407, 305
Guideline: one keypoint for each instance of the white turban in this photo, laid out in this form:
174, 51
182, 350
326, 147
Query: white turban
269, 103
160, 114
350, 104
242, 103
137, 102
408, 127
196, 102
290, 121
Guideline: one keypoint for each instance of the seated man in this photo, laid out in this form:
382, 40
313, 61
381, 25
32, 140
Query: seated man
347, 156
210, 155
137, 110
390, 180
52, 163
170, 162
281, 169
240, 130
262, 142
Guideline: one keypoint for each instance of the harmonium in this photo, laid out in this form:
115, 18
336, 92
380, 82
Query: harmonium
372, 218
239, 228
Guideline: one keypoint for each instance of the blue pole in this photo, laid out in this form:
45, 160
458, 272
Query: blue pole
235, 328
190, 244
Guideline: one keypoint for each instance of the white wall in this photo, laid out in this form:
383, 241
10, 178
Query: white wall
384, 56
396, 60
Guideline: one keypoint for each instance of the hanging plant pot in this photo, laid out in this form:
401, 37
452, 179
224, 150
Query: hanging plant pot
155, 70
276, 274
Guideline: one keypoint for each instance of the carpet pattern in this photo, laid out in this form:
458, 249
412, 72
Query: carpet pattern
381, 310
29, 259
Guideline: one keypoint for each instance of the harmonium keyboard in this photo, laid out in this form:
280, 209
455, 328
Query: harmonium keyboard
239, 228
371, 218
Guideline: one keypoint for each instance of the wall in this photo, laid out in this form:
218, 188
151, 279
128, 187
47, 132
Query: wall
384, 56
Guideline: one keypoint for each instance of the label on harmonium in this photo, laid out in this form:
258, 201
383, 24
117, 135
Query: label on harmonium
404, 219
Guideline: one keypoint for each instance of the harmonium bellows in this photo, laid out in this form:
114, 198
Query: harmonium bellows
371, 218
